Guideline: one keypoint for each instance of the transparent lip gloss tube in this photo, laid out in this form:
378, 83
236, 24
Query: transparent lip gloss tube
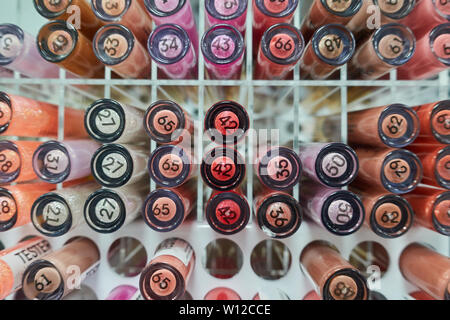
434, 122
24, 117
129, 13
165, 209
116, 46
323, 12
174, 11
231, 12
49, 278
167, 274
334, 277
170, 47
395, 170
280, 49
16, 202
63, 10
278, 214
107, 120
223, 169
223, 49
60, 43
107, 210
114, 165
226, 122
333, 164
222, 293
58, 212
171, 166
166, 122
227, 212
279, 168
395, 125
123, 292
389, 47
15, 260
431, 208
341, 212
16, 161
331, 47
267, 293
426, 269
59, 161
18, 52
435, 160
432, 55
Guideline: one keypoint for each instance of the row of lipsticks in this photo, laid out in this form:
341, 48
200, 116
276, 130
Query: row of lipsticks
118, 34
383, 174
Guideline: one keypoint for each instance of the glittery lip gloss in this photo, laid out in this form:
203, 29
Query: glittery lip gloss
167, 274
434, 122
122, 292
432, 55
18, 52
331, 47
222, 293
334, 277
59, 161
389, 47
341, 212
396, 170
395, 125
16, 161
16, 202
15, 260
223, 49
231, 12
227, 212
333, 164
426, 269
431, 207
165, 209
280, 49
116, 46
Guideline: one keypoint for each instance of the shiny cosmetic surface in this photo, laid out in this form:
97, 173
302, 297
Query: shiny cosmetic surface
123, 292
232, 12
16, 158
434, 122
222, 293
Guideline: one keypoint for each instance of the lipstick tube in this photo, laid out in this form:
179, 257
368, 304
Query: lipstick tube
107, 120
278, 214
128, 13
14, 261
226, 122
395, 170
435, 160
426, 269
116, 46
56, 213
18, 52
222, 293
231, 12
60, 43
171, 166
16, 202
341, 212
280, 49
432, 55
431, 208
227, 212
334, 277
107, 210
389, 47
395, 125
167, 274
331, 47
170, 47
223, 168
165, 209
52, 277
434, 122
223, 49
59, 161
123, 292
16, 161
114, 165
333, 164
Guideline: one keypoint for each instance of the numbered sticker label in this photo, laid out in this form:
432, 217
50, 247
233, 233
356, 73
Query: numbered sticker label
7, 208
222, 47
282, 46
164, 209
278, 214
331, 46
228, 212
170, 46
339, 5
107, 210
165, 122
441, 122
113, 7
10, 45
226, 122
55, 213
56, 161
223, 168
388, 215
340, 212
279, 168
9, 162
60, 42
397, 171
115, 46
276, 6
391, 46
343, 288
334, 165
171, 165
226, 7
163, 282
166, 5
394, 126
56, 5
114, 165
5, 114
107, 121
